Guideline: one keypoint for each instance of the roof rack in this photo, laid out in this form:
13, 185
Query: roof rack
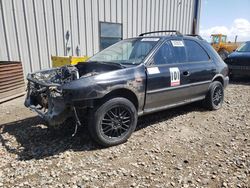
163, 31
194, 35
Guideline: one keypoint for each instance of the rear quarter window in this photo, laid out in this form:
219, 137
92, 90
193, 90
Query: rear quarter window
195, 52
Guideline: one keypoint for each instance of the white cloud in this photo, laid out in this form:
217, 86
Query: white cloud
240, 27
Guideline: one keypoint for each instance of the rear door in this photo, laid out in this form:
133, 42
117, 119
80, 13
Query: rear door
200, 68
167, 76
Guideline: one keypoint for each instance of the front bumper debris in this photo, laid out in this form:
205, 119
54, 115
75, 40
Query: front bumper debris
48, 102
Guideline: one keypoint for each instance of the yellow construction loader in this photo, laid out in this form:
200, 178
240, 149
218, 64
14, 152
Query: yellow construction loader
220, 44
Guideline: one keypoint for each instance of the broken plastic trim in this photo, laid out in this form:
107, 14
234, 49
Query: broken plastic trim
78, 123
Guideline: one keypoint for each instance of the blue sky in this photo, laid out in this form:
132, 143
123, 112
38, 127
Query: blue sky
231, 17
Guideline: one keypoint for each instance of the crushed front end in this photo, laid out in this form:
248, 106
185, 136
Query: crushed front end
45, 96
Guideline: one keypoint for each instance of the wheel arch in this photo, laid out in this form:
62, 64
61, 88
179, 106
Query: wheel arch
122, 92
219, 78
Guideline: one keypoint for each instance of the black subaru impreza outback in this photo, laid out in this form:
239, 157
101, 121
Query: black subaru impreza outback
131, 78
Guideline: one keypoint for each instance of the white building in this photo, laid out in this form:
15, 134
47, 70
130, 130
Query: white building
33, 30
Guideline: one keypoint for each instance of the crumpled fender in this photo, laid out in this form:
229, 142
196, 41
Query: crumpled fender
94, 87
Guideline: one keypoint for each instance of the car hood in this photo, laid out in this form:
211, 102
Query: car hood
238, 58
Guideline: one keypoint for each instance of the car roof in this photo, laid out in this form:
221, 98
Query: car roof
170, 34
189, 36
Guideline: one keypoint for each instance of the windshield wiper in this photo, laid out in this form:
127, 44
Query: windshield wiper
109, 62
131, 63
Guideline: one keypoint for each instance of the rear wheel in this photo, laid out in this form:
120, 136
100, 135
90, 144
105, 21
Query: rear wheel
215, 96
113, 122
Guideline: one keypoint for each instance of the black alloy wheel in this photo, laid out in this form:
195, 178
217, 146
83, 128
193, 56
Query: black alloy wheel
113, 122
217, 96
116, 122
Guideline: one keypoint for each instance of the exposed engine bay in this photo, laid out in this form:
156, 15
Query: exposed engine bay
58, 75
69, 73
44, 90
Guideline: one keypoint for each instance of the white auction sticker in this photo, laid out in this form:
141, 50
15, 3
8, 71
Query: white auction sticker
153, 70
174, 76
177, 43
150, 39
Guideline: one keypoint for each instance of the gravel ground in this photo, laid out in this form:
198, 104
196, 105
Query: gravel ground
183, 147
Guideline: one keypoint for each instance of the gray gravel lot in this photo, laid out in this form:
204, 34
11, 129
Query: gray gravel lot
182, 147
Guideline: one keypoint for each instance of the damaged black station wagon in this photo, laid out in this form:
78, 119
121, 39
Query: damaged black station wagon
131, 78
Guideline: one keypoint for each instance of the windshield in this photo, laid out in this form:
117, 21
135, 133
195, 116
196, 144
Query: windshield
130, 51
244, 47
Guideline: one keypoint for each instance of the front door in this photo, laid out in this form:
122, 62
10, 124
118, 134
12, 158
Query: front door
167, 77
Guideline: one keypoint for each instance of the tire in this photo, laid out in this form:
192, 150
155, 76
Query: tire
215, 96
113, 122
223, 54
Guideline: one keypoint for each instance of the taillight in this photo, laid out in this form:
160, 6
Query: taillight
227, 71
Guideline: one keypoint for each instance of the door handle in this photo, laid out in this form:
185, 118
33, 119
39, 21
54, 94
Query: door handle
186, 73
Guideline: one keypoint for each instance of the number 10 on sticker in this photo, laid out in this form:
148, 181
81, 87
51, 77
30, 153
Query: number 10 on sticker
174, 76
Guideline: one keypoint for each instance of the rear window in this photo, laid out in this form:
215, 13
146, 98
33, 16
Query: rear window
195, 52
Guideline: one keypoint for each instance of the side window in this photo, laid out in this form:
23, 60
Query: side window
164, 55
195, 52
215, 39
223, 39
171, 52
179, 51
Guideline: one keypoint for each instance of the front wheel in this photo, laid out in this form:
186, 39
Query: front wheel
215, 96
113, 122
